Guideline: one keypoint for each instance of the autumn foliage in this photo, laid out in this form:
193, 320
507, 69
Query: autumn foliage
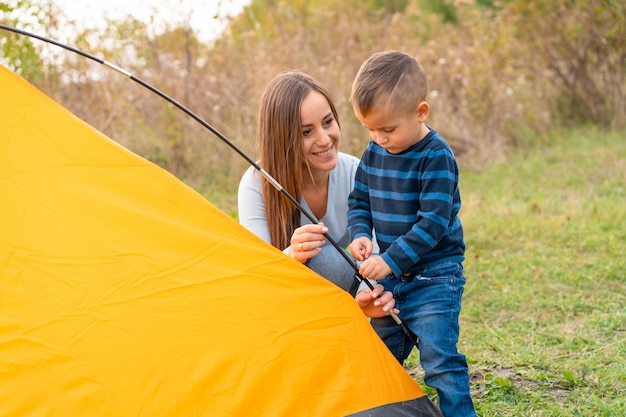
501, 73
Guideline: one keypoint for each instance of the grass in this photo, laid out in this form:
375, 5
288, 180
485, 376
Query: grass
544, 309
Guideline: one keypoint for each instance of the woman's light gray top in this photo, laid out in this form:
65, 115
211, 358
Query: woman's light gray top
252, 214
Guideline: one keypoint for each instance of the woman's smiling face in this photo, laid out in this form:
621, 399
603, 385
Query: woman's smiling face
320, 132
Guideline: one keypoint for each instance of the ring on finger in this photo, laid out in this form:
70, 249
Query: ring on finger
300, 248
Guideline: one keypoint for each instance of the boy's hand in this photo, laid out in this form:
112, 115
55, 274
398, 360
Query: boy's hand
361, 248
374, 268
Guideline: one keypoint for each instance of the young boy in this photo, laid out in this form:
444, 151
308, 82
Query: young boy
406, 190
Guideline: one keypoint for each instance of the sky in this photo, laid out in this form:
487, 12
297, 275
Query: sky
203, 15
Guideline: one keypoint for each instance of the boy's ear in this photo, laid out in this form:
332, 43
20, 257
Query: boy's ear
422, 111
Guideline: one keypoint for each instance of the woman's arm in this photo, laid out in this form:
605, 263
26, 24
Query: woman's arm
306, 240
250, 205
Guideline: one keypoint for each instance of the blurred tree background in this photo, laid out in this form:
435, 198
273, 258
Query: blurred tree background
503, 75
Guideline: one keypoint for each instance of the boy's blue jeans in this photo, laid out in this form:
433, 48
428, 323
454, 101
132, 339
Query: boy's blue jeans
429, 304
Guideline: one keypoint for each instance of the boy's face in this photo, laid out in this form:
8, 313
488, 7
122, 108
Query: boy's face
395, 130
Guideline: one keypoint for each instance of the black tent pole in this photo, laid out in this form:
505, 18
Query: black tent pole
217, 133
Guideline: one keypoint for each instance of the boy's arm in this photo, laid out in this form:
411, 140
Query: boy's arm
359, 213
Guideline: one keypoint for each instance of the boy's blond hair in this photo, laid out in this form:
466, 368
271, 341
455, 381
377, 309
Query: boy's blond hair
389, 77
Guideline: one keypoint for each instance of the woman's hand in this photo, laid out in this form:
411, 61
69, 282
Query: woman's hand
307, 241
375, 306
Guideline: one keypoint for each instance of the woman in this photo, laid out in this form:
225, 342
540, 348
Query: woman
298, 137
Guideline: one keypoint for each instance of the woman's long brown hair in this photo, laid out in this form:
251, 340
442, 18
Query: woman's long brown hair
279, 139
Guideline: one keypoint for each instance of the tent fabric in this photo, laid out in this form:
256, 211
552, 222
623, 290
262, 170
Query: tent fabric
123, 292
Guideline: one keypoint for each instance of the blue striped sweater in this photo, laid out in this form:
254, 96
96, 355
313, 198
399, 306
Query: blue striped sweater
412, 202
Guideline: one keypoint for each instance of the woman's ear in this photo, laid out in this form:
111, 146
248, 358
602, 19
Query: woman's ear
422, 111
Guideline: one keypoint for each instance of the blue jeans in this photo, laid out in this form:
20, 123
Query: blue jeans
429, 304
331, 265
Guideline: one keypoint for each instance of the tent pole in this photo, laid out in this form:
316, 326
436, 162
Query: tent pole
217, 133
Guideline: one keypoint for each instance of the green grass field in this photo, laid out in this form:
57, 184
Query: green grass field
544, 309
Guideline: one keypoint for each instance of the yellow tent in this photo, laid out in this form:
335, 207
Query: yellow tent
123, 292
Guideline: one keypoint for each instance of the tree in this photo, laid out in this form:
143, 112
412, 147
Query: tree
581, 44
19, 53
